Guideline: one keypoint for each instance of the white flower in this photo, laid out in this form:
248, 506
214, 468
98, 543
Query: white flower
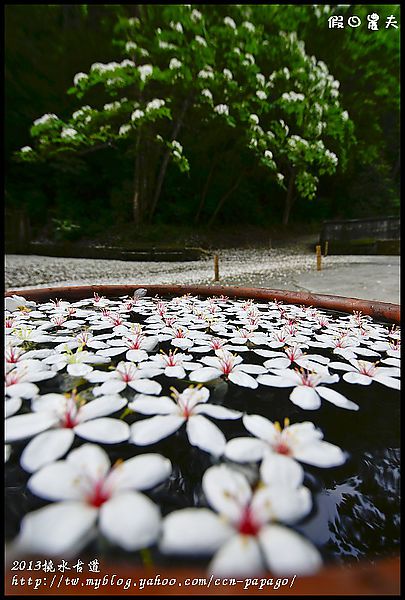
130, 47
189, 407
205, 92
172, 364
301, 441
249, 26
195, 15
46, 118
345, 115
206, 73
56, 420
230, 22
243, 536
19, 380
26, 149
280, 177
145, 71
222, 109
86, 490
308, 387
124, 129
227, 74
177, 145
175, 64
176, 26
254, 118
250, 59
137, 114
260, 78
261, 95
127, 63
155, 104
126, 374
68, 133
112, 106
364, 372
268, 154
78, 363
200, 40
79, 77
227, 364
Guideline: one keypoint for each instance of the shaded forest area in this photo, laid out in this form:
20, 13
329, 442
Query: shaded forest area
88, 190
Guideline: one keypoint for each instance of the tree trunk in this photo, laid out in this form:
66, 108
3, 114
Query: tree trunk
289, 199
224, 198
163, 168
205, 191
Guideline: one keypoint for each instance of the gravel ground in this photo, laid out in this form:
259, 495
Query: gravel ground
292, 268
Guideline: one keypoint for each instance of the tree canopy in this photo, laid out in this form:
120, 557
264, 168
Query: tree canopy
195, 113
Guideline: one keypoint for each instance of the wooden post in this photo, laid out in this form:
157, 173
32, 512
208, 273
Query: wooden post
216, 267
326, 248
318, 258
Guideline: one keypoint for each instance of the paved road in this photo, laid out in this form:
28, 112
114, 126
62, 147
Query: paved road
366, 277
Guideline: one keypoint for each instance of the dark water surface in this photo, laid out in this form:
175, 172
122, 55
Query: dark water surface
356, 506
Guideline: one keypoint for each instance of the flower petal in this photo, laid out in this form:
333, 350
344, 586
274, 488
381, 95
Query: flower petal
22, 390
216, 411
146, 386
149, 431
59, 480
320, 454
104, 430
243, 379
205, 435
46, 448
150, 405
90, 459
111, 386
305, 397
140, 472
193, 531
245, 449
205, 374
261, 427
103, 405
239, 557
27, 425
336, 398
57, 530
288, 553
281, 503
227, 491
130, 520
281, 471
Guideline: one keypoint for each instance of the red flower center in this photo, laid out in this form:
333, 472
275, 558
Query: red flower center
98, 495
282, 448
247, 525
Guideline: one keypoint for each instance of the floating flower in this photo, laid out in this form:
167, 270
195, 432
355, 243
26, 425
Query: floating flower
87, 489
229, 365
126, 374
242, 530
188, 407
57, 419
77, 363
301, 441
364, 372
308, 388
